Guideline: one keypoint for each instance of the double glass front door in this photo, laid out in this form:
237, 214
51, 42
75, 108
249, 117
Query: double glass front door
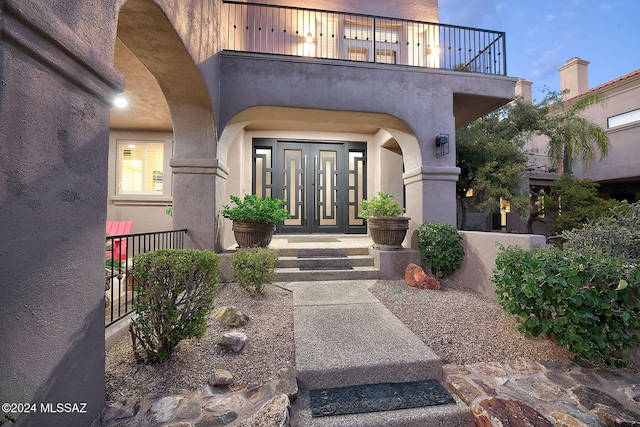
322, 183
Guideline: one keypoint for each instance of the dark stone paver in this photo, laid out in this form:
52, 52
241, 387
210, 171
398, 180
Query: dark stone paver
519, 392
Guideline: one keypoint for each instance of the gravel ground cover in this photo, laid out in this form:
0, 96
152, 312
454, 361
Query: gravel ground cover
269, 348
463, 327
460, 326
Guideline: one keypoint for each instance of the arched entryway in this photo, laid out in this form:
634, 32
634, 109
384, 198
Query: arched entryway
322, 163
147, 31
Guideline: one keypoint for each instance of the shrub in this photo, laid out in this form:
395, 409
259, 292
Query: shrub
255, 209
254, 267
382, 205
175, 294
440, 247
586, 303
617, 236
574, 202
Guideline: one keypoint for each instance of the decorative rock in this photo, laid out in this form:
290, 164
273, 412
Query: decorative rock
504, 412
632, 392
455, 369
566, 420
287, 383
220, 377
417, 278
524, 366
617, 417
606, 407
230, 316
123, 409
538, 387
274, 413
463, 389
494, 369
234, 341
590, 397
192, 410
162, 409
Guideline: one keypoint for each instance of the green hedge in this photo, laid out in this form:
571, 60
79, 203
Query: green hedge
174, 295
588, 303
440, 247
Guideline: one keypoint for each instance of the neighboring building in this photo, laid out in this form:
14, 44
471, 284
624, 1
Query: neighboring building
618, 113
232, 98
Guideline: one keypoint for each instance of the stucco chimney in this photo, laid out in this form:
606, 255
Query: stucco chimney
523, 89
574, 77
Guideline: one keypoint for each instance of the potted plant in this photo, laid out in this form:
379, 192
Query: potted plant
387, 225
254, 219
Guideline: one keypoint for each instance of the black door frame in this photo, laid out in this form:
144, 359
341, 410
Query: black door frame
346, 186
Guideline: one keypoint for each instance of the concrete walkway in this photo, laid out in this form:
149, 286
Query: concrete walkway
345, 336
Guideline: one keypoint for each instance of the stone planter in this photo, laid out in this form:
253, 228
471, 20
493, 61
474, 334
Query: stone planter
253, 234
388, 232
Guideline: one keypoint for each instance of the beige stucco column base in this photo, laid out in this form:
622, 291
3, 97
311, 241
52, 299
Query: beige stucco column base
198, 192
392, 264
439, 183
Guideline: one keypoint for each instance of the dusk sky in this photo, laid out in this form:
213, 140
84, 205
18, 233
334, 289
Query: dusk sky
543, 34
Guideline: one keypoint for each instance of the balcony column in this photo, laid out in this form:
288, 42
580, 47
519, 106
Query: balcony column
430, 185
199, 188
431, 195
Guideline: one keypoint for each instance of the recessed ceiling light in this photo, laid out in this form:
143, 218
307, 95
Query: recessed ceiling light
120, 102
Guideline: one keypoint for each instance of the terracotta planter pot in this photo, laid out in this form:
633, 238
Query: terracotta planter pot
388, 232
253, 234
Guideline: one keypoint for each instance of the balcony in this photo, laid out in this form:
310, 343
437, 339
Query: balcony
313, 33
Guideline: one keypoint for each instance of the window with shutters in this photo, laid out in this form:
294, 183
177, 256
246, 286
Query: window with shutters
140, 167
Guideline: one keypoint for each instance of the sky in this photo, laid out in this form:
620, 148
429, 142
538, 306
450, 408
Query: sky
543, 34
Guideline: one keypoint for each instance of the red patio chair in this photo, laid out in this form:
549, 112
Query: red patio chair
119, 251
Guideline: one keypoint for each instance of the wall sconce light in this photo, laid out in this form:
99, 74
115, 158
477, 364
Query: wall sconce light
309, 38
442, 144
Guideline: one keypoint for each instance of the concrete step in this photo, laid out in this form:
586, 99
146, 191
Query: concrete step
344, 336
297, 275
452, 415
309, 261
323, 252
313, 264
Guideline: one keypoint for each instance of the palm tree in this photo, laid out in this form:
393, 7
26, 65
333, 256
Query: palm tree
571, 136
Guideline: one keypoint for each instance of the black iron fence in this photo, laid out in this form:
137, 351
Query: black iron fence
325, 34
120, 249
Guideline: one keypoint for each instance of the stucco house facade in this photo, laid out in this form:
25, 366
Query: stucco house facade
345, 101
618, 113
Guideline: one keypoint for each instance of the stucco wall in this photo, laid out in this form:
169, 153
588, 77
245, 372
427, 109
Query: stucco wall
621, 162
57, 83
480, 252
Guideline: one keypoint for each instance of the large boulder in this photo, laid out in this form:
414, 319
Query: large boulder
234, 341
417, 278
230, 316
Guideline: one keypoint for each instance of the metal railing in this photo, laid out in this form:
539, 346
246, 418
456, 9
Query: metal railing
282, 30
119, 284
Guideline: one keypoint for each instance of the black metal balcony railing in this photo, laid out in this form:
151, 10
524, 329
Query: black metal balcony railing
324, 34
119, 285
